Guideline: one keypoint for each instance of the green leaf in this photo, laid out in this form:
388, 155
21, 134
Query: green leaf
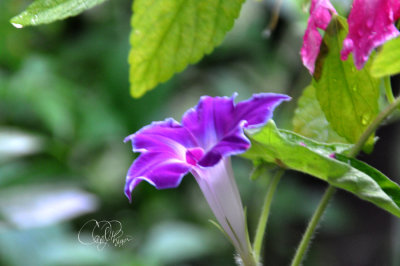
168, 35
293, 151
348, 97
47, 11
382, 182
387, 62
310, 121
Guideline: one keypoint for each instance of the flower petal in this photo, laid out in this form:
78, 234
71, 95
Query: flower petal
163, 160
168, 136
218, 124
233, 142
208, 120
258, 109
320, 16
220, 190
371, 23
157, 168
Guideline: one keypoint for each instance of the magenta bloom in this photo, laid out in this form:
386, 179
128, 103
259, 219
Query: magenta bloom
202, 144
320, 15
371, 23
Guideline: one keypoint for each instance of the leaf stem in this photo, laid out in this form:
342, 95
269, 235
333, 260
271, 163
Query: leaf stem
302, 248
373, 126
388, 89
305, 241
262, 222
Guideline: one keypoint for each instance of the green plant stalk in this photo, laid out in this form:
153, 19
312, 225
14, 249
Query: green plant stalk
262, 222
388, 89
302, 248
305, 241
373, 126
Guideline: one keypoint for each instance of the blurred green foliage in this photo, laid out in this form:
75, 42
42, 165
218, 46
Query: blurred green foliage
65, 109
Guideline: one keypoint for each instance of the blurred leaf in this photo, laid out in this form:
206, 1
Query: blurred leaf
37, 168
292, 151
13, 44
168, 35
47, 11
106, 169
35, 82
387, 62
111, 126
15, 143
310, 121
176, 242
51, 245
28, 206
47, 99
349, 98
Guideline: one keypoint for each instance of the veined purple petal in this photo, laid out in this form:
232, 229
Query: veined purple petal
233, 142
209, 120
220, 190
166, 135
257, 110
193, 155
210, 131
218, 123
320, 15
371, 23
159, 169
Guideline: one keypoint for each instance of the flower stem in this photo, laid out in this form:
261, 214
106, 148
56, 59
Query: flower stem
305, 241
262, 222
302, 248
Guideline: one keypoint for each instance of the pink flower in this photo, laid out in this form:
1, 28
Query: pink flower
320, 15
371, 23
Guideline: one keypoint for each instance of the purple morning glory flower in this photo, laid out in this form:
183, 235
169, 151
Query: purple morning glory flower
371, 23
201, 144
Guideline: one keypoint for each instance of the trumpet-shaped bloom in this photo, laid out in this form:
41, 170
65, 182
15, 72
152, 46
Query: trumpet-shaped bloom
371, 23
320, 15
202, 144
